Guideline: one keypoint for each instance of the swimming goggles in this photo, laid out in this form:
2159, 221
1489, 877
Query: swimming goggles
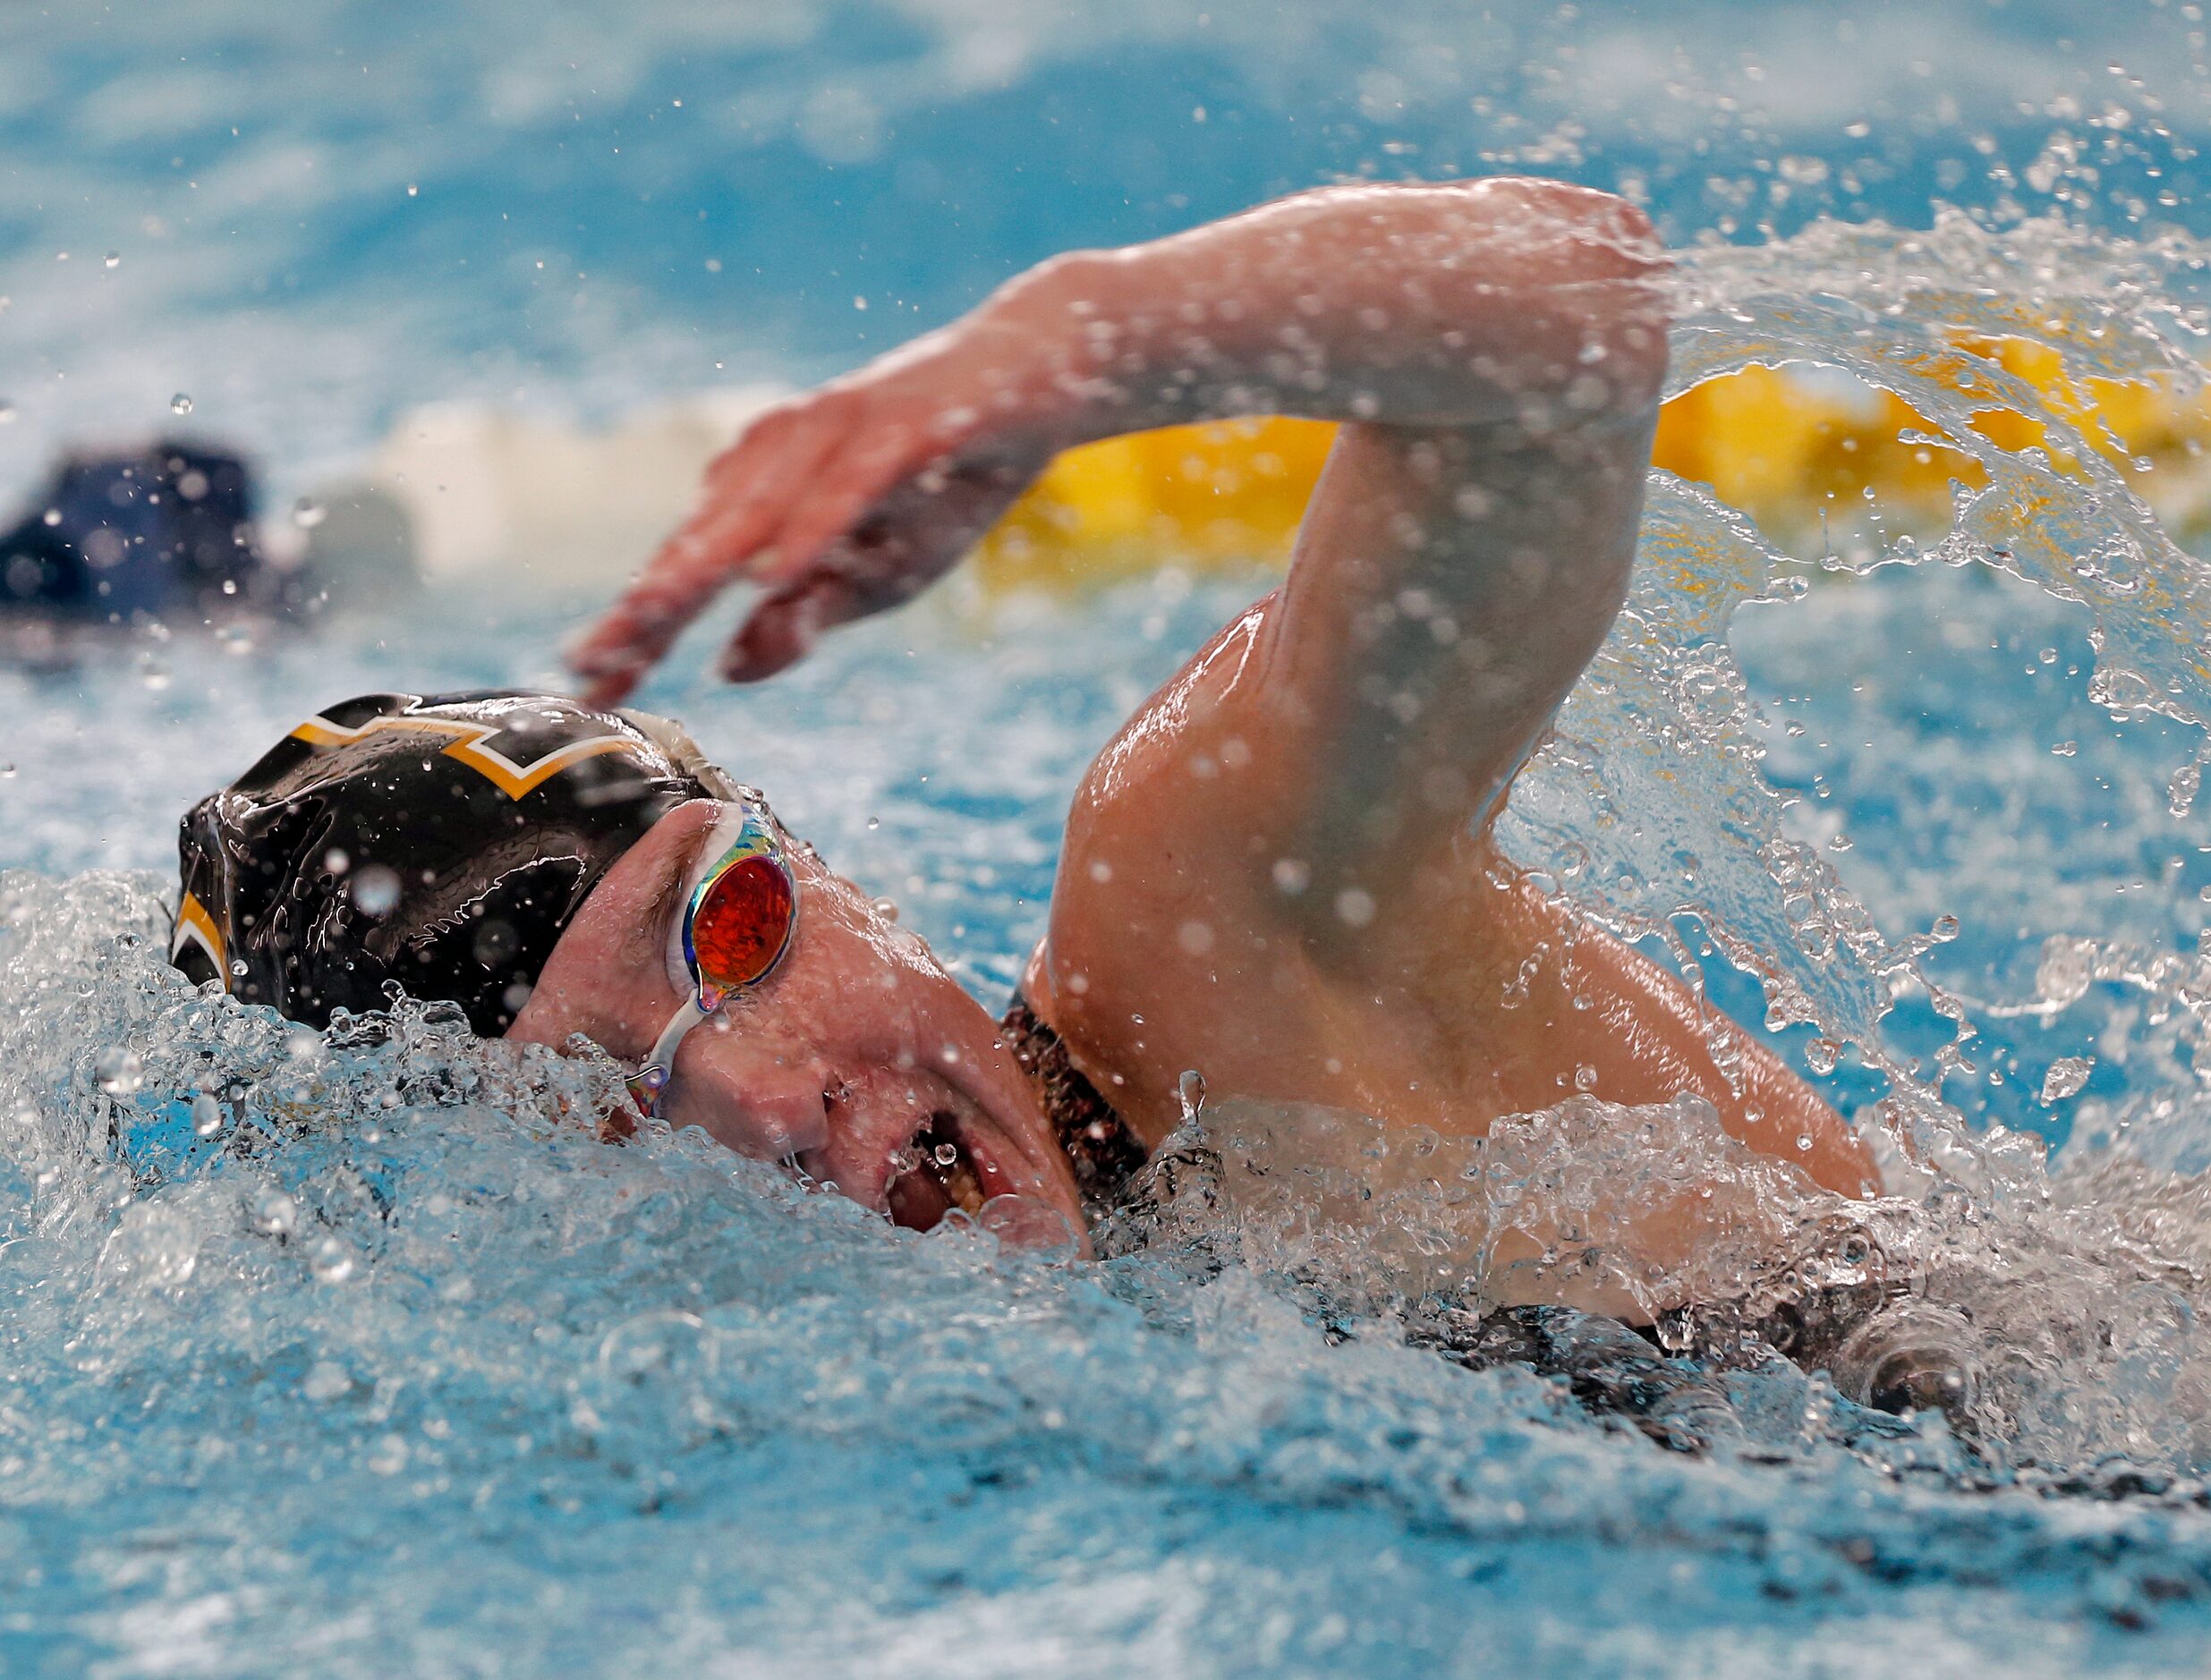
736, 924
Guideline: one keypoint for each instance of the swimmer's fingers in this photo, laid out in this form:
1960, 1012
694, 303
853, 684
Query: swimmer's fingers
747, 498
911, 537
783, 627
634, 633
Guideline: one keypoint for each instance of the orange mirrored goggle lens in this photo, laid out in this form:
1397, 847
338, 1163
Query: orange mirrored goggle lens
738, 928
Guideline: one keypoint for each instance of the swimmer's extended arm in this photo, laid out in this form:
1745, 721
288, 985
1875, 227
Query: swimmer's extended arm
1499, 341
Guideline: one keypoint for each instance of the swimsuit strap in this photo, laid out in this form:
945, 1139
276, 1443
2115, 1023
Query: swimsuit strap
1104, 1153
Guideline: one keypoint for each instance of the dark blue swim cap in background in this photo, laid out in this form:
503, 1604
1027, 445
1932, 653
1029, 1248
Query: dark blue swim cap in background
440, 843
165, 530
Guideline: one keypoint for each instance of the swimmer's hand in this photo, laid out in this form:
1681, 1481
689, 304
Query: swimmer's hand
839, 503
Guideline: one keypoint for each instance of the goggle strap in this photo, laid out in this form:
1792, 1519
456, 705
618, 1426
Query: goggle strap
648, 1082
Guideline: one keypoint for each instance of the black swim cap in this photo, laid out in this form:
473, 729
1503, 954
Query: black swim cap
444, 843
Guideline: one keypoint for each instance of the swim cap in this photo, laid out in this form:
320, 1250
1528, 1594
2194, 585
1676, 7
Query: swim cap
442, 843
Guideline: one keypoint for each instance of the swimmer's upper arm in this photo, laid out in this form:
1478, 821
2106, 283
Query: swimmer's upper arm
1448, 588
1462, 557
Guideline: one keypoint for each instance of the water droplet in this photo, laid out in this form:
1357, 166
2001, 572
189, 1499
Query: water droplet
376, 890
207, 1114
7, 772
332, 1262
413, 191
1190, 1091
2065, 1078
947, 1154
1804, 1142
2182, 789
887, 909
154, 675
1822, 1055
118, 1070
308, 513
2066, 749
1945, 928
113, 259
1585, 1077
7, 413
180, 404
274, 1213
326, 1379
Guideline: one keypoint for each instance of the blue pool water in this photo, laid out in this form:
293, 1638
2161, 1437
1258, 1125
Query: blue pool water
425, 1381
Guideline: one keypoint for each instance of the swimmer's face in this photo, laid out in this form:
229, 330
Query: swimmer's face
858, 1056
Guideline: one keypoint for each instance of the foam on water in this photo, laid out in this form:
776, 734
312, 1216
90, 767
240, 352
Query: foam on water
361, 1350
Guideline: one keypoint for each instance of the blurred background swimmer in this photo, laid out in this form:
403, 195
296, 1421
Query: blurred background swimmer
170, 533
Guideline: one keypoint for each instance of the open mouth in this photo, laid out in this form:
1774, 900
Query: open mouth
937, 1171
924, 1155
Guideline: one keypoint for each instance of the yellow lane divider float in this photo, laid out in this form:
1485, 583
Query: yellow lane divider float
1785, 445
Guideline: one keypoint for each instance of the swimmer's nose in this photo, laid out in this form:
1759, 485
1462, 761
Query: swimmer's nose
746, 1096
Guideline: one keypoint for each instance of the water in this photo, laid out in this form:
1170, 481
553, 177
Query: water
359, 1353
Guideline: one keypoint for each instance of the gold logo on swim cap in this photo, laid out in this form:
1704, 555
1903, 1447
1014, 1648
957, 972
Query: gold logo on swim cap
466, 743
195, 926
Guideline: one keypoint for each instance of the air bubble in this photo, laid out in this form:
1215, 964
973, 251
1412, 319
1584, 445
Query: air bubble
181, 403
207, 1116
308, 513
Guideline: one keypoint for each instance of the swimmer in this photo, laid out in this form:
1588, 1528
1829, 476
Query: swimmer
1280, 873
112, 539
